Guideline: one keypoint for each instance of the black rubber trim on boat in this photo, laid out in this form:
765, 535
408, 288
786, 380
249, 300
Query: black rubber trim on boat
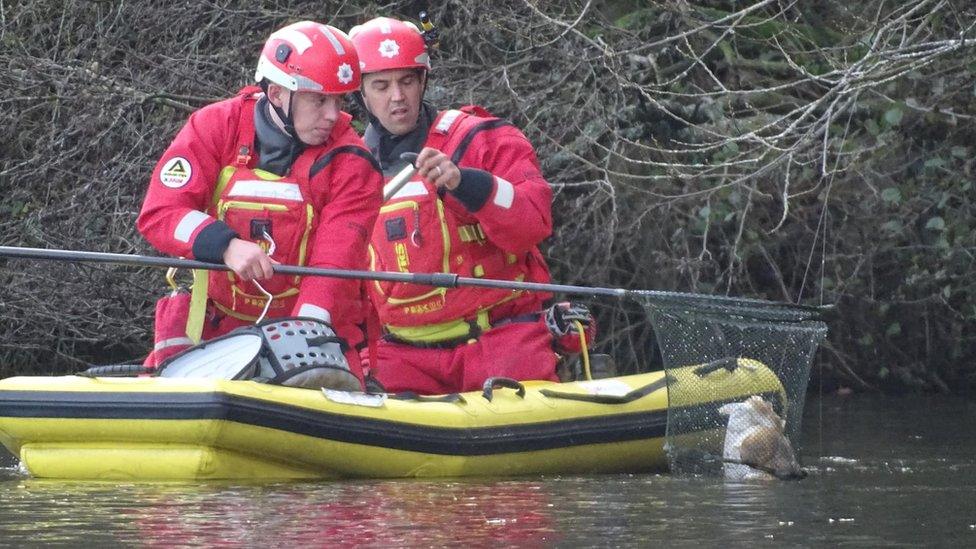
641, 392
116, 370
414, 397
382, 433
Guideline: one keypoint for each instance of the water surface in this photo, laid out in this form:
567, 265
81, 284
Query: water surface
883, 471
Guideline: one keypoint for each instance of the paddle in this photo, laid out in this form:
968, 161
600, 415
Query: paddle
440, 280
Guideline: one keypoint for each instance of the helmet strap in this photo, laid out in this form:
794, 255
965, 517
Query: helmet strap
285, 115
423, 93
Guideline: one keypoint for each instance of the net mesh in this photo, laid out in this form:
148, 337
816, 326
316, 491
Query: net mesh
737, 373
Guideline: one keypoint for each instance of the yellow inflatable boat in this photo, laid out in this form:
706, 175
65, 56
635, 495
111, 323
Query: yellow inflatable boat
187, 429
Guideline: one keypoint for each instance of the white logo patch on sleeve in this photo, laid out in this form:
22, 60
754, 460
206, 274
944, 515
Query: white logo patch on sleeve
176, 172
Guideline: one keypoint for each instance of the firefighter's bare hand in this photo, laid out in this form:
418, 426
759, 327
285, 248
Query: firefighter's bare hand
248, 260
435, 167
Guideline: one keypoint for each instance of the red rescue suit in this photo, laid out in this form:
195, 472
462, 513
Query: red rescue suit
443, 340
206, 189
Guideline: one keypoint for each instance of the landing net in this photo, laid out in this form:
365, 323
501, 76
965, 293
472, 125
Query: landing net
736, 369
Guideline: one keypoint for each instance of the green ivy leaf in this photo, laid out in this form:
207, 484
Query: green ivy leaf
893, 116
935, 163
894, 226
891, 195
893, 329
960, 151
936, 224
872, 127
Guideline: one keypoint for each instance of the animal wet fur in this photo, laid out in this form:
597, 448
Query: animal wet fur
756, 446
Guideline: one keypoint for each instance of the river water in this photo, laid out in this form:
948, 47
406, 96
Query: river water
883, 471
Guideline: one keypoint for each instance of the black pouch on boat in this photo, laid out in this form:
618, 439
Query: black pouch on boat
295, 352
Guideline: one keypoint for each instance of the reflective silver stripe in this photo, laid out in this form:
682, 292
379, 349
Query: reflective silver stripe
172, 342
447, 120
332, 39
413, 188
504, 193
266, 69
188, 224
314, 311
257, 188
296, 37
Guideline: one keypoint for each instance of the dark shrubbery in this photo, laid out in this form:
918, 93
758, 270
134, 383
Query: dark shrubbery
818, 153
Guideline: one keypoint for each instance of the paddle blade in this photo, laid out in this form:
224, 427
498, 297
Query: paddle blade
231, 357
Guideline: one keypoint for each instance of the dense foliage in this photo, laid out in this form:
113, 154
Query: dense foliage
815, 152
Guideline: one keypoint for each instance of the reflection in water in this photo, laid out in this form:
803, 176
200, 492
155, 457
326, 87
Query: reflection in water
386, 513
342, 513
882, 471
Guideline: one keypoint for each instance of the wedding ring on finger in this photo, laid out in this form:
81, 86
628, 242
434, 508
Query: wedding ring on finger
440, 172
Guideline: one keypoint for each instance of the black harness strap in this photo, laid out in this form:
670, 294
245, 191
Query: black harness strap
472, 133
325, 159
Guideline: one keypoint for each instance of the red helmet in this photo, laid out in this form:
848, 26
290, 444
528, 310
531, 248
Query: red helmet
385, 44
309, 56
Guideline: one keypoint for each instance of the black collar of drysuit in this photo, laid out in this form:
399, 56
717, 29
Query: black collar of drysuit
387, 148
276, 149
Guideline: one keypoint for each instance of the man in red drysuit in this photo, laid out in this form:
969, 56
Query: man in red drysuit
274, 175
478, 206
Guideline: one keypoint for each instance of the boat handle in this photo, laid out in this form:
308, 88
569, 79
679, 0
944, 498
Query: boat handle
493, 383
729, 363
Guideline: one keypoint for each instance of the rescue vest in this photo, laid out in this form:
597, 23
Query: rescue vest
417, 231
276, 212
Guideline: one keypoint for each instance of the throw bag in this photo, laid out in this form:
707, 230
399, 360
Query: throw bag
170, 336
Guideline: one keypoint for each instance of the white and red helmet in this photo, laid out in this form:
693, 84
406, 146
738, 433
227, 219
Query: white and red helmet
309, 56
385, 44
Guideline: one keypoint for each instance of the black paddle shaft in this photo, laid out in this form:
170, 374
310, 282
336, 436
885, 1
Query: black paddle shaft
440, 280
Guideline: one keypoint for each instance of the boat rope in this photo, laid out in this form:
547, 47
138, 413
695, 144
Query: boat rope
585, 351
171, 278
267, 304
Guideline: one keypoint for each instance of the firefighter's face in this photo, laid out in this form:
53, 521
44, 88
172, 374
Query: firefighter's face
393, 97
313, 114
